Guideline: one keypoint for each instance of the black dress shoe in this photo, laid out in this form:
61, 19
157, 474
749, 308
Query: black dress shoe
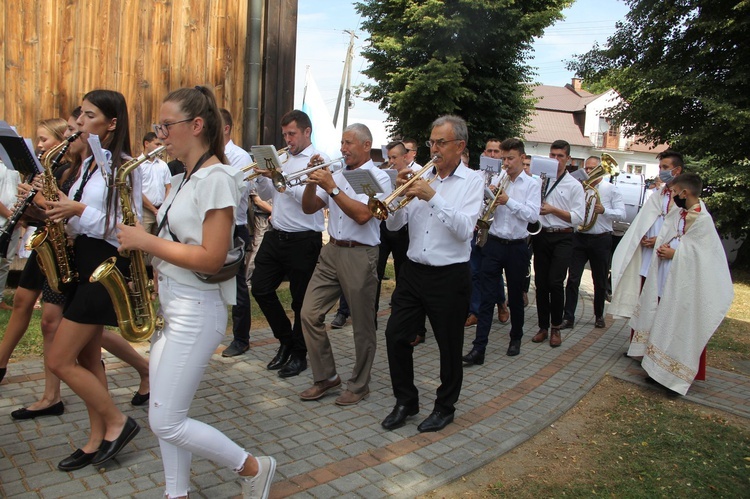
435, 422
108, 449
139, 399
53, 410
566, 324
76, 461
3, 370
474, 357
292, 368
600, 322
514, 348
281, 358
397, 417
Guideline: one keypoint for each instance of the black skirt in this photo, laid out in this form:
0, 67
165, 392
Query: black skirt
32, 276
89, 302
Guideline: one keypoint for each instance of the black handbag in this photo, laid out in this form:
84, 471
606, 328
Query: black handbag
235, 259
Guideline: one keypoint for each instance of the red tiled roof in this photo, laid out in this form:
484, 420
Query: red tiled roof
549, 126
561, 98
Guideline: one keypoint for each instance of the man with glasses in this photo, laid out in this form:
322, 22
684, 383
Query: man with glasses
435, 279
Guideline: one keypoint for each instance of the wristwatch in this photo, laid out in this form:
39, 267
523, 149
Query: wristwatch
335, 192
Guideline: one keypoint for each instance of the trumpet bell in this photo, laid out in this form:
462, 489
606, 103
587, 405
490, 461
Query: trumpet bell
378, 208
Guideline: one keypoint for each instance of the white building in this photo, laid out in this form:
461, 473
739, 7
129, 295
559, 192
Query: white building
581, 118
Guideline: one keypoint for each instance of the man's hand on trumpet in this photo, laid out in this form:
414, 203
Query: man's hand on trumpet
322, 177
419, 188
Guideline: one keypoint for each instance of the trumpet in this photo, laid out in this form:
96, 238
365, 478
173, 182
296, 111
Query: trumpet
485, 221
250, 167
381, 209
281, 180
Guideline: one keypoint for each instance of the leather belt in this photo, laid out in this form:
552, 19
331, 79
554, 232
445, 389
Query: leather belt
292, 236
347, 244
602, 234
507, 241
562, 230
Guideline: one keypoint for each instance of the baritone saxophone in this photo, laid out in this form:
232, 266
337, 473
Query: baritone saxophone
133, 301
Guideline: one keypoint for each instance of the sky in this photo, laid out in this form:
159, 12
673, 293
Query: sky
322, 43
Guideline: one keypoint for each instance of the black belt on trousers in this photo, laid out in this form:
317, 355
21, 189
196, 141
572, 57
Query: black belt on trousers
507, 241
292, 236
594, 235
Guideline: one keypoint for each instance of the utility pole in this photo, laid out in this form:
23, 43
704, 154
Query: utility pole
346, 81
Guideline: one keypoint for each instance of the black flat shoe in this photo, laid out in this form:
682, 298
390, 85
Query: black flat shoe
3, 370
397, 417
53, 410
76, 461
514, 348
292, 368
139, 399
435, 422
108, 449
281, 358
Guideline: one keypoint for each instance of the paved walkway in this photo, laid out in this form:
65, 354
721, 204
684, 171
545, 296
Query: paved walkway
324, 450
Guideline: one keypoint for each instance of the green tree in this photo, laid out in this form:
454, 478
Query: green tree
464, 57
682, 68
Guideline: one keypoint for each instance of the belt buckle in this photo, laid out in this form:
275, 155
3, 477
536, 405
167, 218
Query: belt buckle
283, 236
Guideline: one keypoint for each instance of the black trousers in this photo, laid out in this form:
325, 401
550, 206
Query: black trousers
285, 254
552, 253
442, 294
391, 241
241, 318
594, 248
513, 259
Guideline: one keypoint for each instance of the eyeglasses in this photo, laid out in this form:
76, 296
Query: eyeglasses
439, 143
163, 128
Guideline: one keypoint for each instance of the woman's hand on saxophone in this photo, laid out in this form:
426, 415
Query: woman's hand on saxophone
64, 208
131, 237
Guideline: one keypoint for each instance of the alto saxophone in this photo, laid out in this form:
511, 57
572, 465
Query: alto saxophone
53, 252
133, 301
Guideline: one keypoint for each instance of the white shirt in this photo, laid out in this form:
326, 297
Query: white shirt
9, 180
92, 221
287, 214
156, 177
440, 230
343, 228
522, 208
614, 208
239, 158
208, 189
567, 195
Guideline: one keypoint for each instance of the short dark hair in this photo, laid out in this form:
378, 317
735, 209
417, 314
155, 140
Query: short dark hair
675, 156
149, 137
409, 140
396, 143
513, 144
691, 182
561, 144
226, 117
300, 117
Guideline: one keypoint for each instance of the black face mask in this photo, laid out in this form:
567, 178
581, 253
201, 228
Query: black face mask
680, 202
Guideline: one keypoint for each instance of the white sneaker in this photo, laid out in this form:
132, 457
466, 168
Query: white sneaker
258, 486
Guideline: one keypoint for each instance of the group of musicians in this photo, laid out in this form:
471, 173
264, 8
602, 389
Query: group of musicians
444, 201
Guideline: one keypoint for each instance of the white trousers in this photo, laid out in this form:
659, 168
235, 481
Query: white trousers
195, 322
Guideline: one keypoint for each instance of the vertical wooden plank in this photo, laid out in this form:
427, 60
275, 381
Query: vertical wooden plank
3, 59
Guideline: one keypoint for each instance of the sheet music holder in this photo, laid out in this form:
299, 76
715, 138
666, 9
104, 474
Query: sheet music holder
363, 182
16, 153
492, 165
392, 174
542, 165
266, 157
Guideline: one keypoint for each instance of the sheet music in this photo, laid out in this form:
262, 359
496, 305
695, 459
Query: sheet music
542, 165
102, 156
266, 157
17, 153
363, 182
392, 174
488, 164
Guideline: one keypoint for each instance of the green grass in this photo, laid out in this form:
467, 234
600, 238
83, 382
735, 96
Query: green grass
31, 343
654, 447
